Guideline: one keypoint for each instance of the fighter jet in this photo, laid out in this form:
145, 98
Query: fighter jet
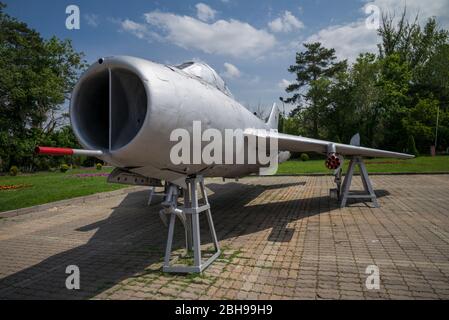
125, 111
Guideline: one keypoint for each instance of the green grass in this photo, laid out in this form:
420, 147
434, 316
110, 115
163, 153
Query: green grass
418, 165
51, 186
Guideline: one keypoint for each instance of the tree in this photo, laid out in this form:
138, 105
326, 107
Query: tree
395, 100
420, 123
387, 97
366, 96
432, 79
36, 78
314, 69
355, 103
340, 119
409, 40
414, 68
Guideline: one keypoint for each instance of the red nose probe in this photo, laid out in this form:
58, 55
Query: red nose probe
51, 151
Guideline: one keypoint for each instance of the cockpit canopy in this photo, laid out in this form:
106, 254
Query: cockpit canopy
205, 73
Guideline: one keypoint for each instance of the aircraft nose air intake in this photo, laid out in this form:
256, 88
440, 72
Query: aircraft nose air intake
109, 108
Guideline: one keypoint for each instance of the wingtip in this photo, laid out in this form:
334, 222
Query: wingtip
409, 156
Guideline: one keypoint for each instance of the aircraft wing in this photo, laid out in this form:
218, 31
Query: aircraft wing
288, 142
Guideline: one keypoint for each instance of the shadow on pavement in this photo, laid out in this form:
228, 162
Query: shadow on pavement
133, 238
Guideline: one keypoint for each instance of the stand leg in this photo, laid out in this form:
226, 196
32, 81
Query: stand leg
195, 226
367, 184
368, 188
338, 182
188, 224
150, 196
347, 183
362, 175
171, 229
209, 218
191, 212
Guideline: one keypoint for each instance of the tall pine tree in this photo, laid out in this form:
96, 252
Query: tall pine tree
314, 69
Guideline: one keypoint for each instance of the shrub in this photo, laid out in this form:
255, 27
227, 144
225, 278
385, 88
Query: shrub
305, 157
99, 166
64, 168
14, 171
294, 155
88, 162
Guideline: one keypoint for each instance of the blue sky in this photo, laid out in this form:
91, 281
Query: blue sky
250, 43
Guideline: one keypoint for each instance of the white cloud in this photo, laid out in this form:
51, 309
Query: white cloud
139, 30
283, 84
232, 37
286, 23
91, 19
351, 39
231, 71
204, 12
348, 40
425, 9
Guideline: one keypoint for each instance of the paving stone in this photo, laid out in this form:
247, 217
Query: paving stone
282, 238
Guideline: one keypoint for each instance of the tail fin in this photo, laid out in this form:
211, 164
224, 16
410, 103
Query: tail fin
273, 120
355, 140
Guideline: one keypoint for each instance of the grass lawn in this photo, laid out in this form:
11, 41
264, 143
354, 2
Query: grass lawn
419, 165
45, 187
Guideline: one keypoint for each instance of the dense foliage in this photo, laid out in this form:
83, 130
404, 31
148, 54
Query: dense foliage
391, 98
36, 78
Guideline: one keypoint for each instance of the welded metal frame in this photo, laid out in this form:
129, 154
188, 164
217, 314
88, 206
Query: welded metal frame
346, 193
190, 216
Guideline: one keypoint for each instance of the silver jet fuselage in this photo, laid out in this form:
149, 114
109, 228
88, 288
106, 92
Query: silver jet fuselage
128, 107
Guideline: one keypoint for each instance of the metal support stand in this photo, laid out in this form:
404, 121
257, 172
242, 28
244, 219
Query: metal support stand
335, 193
190, 216
150, 198
345, 188
153, 194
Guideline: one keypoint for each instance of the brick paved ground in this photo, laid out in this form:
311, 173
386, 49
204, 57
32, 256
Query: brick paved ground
283, 238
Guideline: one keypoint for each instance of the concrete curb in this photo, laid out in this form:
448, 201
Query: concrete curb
67, 202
